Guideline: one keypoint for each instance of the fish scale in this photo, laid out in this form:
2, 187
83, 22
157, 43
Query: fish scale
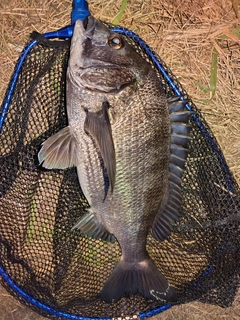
122, 136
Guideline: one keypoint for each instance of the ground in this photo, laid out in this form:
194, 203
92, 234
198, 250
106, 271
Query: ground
185, 34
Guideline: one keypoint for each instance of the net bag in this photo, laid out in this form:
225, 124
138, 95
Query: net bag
59, 272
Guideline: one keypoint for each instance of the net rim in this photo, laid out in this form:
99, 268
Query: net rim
6, 278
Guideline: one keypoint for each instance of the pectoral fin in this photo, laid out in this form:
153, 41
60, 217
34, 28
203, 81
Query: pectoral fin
97, 124
60, 151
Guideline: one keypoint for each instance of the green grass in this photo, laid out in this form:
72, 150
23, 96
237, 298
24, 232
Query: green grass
2, 49
94, 254
213, 76
56, 86
235, 32
32, 232
214, 63
118, 17
33, 207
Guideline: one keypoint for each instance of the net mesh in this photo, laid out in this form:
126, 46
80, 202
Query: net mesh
65, 270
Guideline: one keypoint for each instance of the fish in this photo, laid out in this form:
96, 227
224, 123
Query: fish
129, 143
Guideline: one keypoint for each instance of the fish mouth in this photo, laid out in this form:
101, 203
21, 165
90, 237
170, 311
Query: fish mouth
83, 30
90, 69
88, 26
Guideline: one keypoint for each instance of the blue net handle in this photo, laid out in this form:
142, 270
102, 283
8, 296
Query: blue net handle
80, 10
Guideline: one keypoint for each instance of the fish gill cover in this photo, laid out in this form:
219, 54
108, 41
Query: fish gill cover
61, 272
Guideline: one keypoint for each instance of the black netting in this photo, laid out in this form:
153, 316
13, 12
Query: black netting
63, 269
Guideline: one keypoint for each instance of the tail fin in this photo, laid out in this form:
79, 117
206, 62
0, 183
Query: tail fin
143, 278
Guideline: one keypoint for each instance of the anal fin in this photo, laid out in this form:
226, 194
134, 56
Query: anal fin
89, 225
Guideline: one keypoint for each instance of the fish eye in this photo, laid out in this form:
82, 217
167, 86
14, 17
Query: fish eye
115, 41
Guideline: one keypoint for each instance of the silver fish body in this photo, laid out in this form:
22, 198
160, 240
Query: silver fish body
122, 137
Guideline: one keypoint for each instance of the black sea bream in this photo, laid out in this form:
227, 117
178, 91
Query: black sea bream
129, 144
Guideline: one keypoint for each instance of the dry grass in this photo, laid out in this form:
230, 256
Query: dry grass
184, 34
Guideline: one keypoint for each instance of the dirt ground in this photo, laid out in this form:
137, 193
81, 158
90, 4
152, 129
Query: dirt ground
185, 34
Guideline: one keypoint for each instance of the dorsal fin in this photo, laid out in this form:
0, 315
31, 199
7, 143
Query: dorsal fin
180, 138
